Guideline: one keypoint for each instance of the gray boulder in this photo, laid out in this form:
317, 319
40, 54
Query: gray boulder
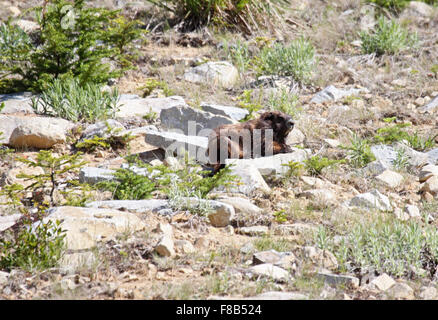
234, 113
220, 73
190, 121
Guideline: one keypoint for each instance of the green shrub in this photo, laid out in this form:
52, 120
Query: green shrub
388, 37
187, 182
128, 185
391, 134
69, 100
37, 247
394, 247
316, 164
297, 60
72, 41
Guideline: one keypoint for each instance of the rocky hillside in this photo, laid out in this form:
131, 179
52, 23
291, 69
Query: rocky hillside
350, 213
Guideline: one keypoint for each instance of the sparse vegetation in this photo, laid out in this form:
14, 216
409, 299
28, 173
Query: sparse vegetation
69, 100
297, 60
392, 246
359, 153
35, 247
316, 164
389, 37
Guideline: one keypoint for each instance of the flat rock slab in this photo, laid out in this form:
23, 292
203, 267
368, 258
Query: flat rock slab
241, 205
388, 154
250, 180
16, 103
179, 143
273, 164
190, 121
94, 175
140, 206
87, 226
270, 271
234, 113
331, 93
336, 279
139, 107
371, 200
254, 231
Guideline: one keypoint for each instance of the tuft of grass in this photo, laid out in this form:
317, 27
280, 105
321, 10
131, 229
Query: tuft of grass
392, 246
316, 164
359, 153
69, 100
388, 37
297, 60
284, 101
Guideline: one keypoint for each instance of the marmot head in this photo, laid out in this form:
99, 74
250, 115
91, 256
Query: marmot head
280, 122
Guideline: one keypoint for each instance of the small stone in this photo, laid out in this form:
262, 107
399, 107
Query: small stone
324, 195
383, 282
413, 211
401, 291
401, 215
185, 246
372, 200
271, 271
3, 277
156, 162
164, 228
427, 172
333, 143
390, 178
295, 137
254, 231
166, 247
220, 73
431, 186
241, 205
321, 258
419, 101
202, 243
282, 259
426, 293
399, 82
173, 163
294, 229
336, 279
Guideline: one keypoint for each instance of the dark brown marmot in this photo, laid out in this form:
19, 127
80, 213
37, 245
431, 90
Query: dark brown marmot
251, 139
